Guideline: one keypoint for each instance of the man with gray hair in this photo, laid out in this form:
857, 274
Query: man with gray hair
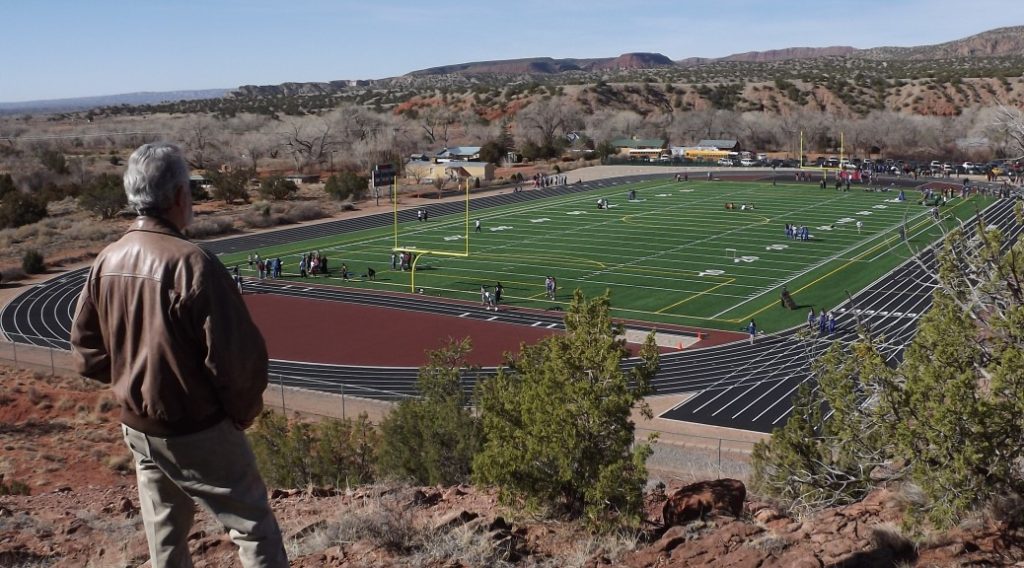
160, 320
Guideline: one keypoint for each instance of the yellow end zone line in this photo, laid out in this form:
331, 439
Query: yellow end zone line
842, 267
697, 295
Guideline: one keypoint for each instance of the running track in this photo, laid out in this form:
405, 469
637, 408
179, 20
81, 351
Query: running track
737, 385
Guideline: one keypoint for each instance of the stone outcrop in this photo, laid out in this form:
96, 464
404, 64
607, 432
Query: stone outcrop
700, 499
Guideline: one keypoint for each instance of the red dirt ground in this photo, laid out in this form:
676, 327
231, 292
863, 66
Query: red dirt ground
298, 329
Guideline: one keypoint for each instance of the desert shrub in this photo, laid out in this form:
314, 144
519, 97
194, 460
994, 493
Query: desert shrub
230, 185
104, 196
12, 487
17, 209
209, 227
305, 212
89, 231
32, 262
347, 185
277, 187
557, 421
7, 185
329, 452
258, 220
432, 439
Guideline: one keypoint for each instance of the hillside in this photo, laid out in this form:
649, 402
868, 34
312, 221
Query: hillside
936, 80
55, 515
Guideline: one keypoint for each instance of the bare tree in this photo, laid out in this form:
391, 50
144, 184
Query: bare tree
436, 121
308, 144
1011, 122
545, 120
198, 140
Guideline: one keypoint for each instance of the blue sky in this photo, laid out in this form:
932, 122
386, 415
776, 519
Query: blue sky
72, 48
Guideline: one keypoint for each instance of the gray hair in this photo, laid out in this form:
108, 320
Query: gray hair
155, 174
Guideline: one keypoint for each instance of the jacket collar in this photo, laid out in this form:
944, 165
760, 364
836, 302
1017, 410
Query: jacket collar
150, 224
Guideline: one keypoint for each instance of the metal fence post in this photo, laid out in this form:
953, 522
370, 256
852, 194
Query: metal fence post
719, 458
343, 401
14, 344
284, 409
53, 368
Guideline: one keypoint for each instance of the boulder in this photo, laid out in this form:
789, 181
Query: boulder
694, 501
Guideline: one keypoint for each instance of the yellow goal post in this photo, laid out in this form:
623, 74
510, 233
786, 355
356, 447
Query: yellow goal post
417, 252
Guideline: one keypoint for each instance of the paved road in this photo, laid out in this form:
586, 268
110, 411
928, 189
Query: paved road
738, 385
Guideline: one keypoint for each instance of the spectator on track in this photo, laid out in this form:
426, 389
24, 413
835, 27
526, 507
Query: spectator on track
752, 330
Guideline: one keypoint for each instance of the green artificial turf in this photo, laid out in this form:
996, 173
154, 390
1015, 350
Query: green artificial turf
666, 257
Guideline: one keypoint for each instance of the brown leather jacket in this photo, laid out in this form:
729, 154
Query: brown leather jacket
162, 321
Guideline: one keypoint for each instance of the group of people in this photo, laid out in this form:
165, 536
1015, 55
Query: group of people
313, 263
683, 177
742, 206
824, 322
798, 232
490, 299
541, 180
401, 260
265, 268
422, 214
602, 203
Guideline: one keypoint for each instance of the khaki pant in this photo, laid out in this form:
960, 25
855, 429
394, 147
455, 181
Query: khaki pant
215, 468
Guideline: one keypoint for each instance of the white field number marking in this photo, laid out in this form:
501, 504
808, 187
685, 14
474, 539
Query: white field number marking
541, 220
712, 272
502, 228
776, 247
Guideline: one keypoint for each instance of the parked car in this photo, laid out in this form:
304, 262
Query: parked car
746, 162
724, 161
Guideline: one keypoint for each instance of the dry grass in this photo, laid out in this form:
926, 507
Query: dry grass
461, 546
121, 462
210, 227
612, 546
769, 543
305, 212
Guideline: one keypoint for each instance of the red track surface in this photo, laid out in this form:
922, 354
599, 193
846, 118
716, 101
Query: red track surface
299, 329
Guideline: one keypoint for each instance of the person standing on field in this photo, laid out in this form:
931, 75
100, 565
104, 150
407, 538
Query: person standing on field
161, 321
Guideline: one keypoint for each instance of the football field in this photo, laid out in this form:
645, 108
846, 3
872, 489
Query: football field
673, 254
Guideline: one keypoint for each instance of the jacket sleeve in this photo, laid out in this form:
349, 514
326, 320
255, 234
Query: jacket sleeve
88, 348
235, 355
